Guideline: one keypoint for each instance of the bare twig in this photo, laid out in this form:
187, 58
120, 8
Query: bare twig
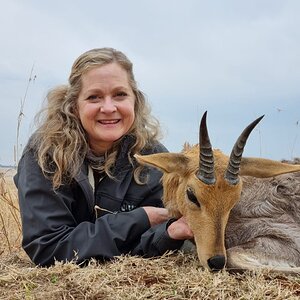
295, 139
21, 115
5, 233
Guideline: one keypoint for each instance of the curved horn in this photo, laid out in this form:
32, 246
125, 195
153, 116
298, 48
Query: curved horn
233, 168
206, 158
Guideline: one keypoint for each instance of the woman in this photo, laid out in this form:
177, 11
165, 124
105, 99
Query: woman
81, 193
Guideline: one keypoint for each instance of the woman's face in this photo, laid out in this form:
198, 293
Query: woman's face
106, 105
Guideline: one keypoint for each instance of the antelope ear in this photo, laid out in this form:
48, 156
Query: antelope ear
262, 168
166, 162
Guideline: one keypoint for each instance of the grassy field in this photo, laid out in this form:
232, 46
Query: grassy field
173, 276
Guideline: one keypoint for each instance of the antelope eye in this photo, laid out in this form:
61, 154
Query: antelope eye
191, 195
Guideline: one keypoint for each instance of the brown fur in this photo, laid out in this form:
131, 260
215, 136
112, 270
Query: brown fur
263, 227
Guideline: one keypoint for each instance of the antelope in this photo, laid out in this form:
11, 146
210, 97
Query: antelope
243, 212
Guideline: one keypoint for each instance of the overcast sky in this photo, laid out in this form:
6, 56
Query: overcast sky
236, 59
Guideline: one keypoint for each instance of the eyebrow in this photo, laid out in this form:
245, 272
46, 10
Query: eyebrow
97, 90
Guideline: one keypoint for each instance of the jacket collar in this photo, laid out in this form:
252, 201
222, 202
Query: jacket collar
120, 169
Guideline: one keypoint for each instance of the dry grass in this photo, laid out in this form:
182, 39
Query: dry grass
173, 276
9, 213
169, 277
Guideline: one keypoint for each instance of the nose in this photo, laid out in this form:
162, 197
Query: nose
108, 105
217, 262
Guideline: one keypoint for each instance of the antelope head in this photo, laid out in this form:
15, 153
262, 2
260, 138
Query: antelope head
203, 185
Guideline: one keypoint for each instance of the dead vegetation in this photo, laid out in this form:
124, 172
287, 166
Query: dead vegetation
10, 224
173, 276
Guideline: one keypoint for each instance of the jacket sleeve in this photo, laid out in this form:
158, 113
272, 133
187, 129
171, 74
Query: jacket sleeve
156, 241
52, 232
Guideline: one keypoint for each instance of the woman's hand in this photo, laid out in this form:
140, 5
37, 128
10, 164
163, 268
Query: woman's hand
156, 215
179, 230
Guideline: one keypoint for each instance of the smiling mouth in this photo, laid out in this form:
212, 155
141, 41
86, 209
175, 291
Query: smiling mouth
109, 122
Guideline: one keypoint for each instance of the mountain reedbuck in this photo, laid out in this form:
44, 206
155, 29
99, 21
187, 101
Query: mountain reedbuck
227, 206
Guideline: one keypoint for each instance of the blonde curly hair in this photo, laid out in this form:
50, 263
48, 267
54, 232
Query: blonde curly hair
61, 143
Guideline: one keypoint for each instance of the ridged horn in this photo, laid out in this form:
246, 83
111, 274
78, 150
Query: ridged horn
233, 168
206, 157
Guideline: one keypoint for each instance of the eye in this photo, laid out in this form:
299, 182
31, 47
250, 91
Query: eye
92, 97
191, 195
120, 95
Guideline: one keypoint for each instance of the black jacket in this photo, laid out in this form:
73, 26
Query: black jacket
62, 225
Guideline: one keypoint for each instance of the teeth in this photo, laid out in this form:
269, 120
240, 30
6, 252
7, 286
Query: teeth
109, 121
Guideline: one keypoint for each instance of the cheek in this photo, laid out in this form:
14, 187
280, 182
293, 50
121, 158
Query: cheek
129, 111
132, 115
86, 111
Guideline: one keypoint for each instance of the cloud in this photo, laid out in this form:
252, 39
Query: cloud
236, 59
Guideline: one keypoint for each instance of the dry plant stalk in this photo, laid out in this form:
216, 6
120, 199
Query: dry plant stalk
21, 115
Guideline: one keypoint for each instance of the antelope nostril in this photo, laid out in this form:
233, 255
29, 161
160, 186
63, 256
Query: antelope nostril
216, 262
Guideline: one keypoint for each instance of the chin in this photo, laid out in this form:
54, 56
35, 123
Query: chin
112, 138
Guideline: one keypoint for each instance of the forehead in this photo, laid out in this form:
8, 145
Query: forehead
220, 197
105, 73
